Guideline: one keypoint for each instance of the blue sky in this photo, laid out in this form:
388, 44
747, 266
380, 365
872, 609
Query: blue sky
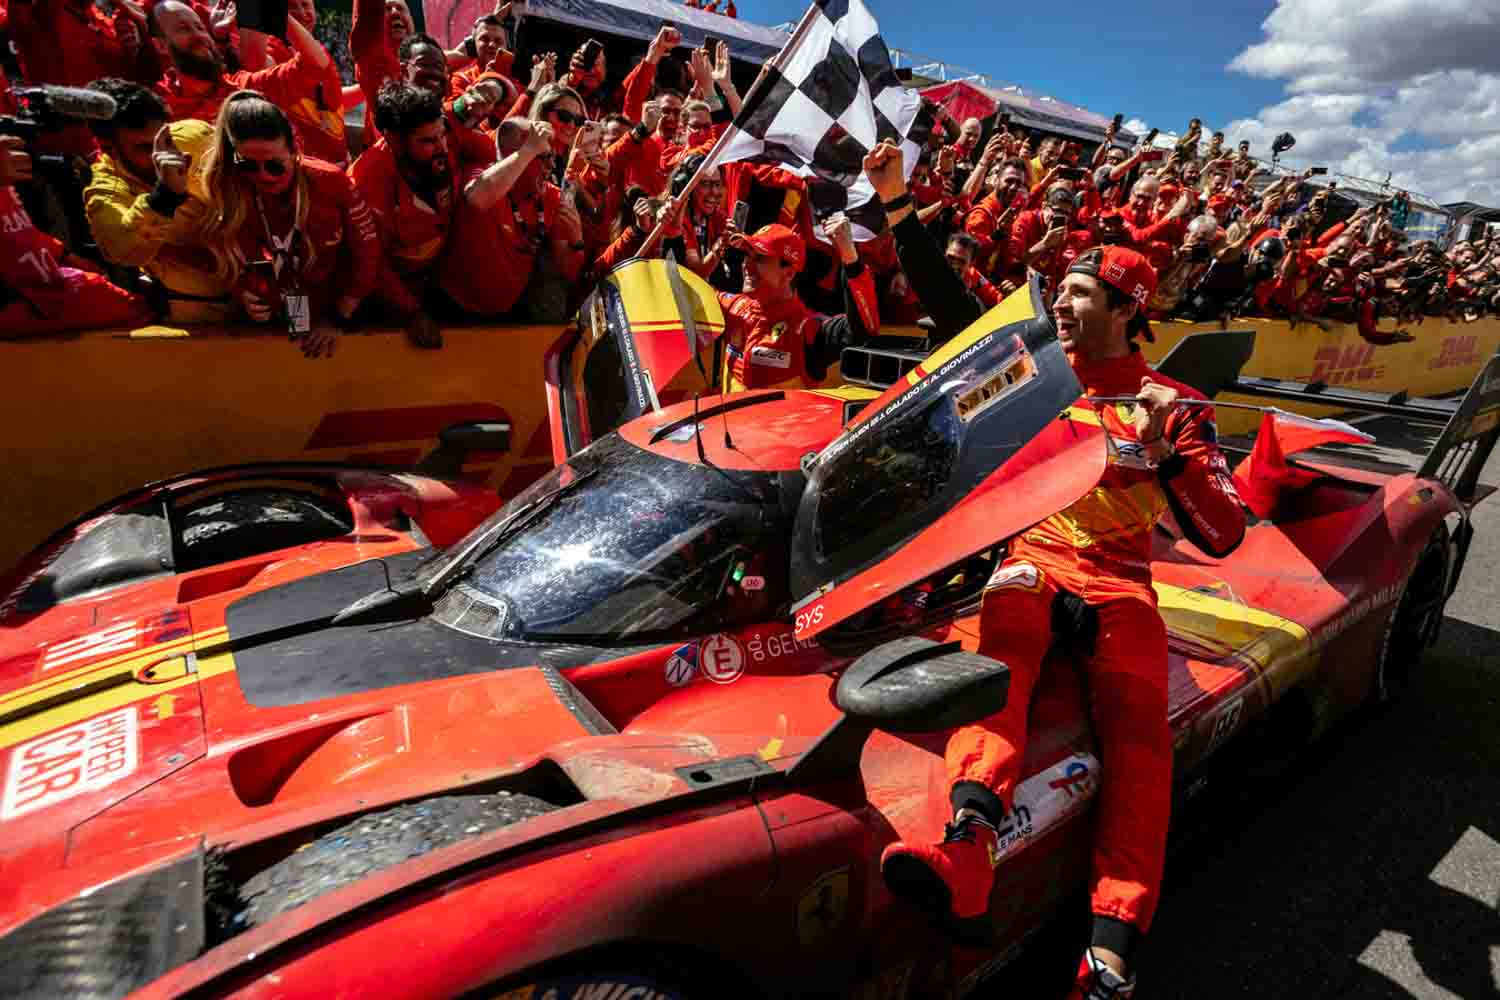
1409, 87
1163, 61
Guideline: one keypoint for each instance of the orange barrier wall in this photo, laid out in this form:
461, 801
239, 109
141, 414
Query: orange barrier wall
1444, 358
91, 416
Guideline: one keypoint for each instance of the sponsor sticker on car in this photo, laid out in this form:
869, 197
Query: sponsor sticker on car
84, 757
721, 659
682, 665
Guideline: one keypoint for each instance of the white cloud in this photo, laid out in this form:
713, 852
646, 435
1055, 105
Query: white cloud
1365, 77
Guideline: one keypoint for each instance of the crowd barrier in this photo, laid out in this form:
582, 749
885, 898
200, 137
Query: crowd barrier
92, 415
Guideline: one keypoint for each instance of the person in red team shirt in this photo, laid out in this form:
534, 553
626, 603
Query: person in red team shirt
423, 63
378, 35
290, 233
44, 288
991, 220
491, 52
408, 180
196, 84
515, 232
706, 227
1090, 561
961, 252
318, 117
646, 155
772, 339
1046, 239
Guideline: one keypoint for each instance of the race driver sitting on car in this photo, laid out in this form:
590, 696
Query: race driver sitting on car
1089, 562
774, 340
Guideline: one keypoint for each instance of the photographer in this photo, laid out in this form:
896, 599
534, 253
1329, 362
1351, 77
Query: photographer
1190, 262
70, 42
138, 204
1047, 239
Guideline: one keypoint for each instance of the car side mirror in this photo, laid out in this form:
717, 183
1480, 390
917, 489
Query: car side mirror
909, 685
915, 685
456, 441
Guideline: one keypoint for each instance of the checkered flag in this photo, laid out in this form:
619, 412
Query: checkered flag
826, 100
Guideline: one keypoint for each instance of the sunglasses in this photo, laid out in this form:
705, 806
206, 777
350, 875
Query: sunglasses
567, 117
271, 168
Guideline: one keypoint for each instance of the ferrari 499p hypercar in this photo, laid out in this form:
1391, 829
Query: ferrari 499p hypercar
644, 730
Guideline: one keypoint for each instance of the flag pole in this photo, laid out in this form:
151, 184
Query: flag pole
712, 159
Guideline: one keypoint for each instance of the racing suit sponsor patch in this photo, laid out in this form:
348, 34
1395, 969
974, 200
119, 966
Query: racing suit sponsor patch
1128, 453
770, 357
1016, 576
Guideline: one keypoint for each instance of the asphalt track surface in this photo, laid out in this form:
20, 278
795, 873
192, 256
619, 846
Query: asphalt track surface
1372, 868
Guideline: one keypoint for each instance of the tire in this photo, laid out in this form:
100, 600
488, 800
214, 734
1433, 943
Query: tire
1414, 623
373, 842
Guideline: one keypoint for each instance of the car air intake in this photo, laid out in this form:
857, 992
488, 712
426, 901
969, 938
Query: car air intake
882, 367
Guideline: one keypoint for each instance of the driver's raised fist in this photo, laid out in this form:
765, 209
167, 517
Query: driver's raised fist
883, 165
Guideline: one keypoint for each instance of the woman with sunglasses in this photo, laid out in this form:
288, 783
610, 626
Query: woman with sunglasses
289, 233
562, 108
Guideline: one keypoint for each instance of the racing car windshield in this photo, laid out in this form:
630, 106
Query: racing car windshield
647, 547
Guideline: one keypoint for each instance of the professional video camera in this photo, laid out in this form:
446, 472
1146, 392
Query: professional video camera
46, 108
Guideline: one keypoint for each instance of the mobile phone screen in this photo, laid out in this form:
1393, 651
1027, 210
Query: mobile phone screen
741, 215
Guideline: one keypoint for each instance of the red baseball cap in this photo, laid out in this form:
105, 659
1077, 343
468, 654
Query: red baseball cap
1128, 272
774, 240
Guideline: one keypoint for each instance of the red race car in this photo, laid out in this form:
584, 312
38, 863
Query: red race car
643, 731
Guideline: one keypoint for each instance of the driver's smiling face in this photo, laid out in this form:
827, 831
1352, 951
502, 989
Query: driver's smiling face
1085, 323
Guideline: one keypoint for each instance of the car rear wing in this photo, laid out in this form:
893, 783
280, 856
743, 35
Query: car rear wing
1460, 452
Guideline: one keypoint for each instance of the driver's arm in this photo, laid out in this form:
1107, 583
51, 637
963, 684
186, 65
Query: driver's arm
942, 293
1196, 481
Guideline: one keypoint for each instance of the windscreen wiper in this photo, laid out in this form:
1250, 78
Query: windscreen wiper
416, 596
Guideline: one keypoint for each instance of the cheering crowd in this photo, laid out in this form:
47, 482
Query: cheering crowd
221, 189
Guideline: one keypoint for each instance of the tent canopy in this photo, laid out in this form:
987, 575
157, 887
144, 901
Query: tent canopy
450, 20
1481, 213
965, 100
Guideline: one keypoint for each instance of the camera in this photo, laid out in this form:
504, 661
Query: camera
1198, 253
45, 108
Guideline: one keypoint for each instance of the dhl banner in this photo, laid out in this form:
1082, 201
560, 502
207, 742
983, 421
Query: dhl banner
1444, 358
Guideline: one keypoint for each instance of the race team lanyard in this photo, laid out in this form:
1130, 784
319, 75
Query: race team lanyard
288, 269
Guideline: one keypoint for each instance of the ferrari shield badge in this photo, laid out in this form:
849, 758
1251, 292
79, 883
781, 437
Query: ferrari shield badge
822, 909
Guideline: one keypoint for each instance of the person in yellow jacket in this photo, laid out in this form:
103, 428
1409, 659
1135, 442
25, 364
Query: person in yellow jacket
139, 205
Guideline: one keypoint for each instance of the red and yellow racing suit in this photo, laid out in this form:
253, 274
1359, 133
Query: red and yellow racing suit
1099, 549
785, 344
